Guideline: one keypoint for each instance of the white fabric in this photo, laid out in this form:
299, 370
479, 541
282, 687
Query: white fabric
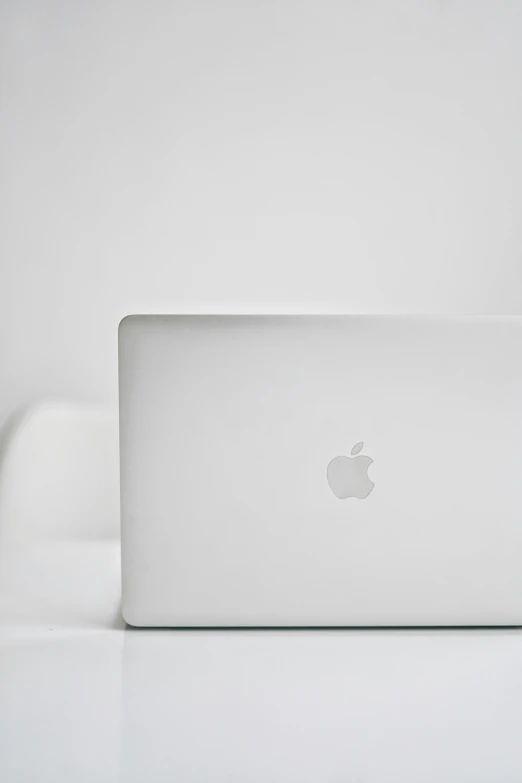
59, 519
59, 474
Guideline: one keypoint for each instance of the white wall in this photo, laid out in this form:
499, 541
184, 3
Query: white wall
287, 154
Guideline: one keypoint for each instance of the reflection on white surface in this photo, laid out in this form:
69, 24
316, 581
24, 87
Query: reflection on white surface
261, 706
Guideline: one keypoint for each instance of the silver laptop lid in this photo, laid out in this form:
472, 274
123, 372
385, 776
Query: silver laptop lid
321, 470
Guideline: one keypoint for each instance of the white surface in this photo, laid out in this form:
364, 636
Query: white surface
228, 424
278, 706
256, 155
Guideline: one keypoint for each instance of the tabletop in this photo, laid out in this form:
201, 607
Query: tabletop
84, 698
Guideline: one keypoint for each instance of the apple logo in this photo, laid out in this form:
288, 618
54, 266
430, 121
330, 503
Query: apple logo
348, 476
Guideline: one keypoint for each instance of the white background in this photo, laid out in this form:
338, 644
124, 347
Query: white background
227, 155
269, 155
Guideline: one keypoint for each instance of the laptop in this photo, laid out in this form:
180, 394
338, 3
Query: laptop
336, 470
